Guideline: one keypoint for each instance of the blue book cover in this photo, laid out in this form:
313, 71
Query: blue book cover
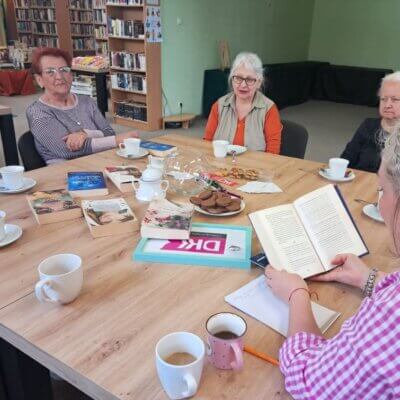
156, 146
215, 245
86, 181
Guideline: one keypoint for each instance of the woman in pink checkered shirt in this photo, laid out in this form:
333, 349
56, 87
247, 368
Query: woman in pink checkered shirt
363, 360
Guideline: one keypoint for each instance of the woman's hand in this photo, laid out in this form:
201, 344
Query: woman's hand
350, 270
283, 283
75, 140
121, 136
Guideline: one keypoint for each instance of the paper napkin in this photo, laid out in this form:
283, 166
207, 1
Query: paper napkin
260, 187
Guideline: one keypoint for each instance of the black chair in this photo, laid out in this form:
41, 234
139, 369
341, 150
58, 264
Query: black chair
29, 155
294, 139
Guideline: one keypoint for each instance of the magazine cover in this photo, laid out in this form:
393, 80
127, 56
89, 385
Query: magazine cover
50, 201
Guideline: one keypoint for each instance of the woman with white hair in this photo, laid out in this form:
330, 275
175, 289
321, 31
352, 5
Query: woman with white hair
363, 360
364, 149
245, 116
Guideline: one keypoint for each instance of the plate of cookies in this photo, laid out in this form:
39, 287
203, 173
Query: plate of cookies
217, 204
249, 174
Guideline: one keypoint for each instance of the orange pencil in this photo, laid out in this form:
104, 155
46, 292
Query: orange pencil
263, 356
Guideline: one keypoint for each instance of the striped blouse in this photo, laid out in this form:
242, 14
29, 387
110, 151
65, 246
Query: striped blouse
361, 362
50, 124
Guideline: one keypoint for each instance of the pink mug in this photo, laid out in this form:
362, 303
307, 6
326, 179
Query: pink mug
225, 340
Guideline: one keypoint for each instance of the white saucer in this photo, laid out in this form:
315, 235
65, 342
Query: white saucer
242, 206
238, 149
13, 233
326, 175
28, 184
372, 211
142, 153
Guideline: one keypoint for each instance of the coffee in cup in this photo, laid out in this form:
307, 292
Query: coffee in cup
13, 177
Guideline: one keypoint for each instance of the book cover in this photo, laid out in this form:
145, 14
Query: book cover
122, 176
215, 245
109, 217
86, 184
158, 149
167, 220
50, 206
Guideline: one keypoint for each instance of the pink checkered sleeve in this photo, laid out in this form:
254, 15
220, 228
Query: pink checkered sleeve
361, 362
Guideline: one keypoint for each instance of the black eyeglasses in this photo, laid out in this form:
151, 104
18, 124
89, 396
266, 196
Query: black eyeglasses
239, 79
52, 71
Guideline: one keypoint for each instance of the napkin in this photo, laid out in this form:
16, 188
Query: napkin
260, 187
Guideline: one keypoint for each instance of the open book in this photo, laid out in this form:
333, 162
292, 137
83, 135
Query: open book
305, 236
257, 300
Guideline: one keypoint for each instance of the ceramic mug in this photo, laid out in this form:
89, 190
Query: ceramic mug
13, 176
337, 167
220, 148
179, 362
130, 146
225, 332
61, 278
2, 225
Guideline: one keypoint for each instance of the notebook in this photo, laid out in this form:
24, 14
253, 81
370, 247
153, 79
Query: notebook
257, 300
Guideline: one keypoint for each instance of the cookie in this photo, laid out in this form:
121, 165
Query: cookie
195, 200
205, 194
216, 210
234, 206
223, 201
208, 203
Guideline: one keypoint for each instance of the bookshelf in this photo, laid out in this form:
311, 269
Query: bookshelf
135, 67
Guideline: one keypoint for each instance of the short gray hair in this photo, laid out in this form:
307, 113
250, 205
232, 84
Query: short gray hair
393, 77
250, 61
391, 158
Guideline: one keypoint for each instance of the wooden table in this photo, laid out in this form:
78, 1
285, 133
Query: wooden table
103, 343
8, 139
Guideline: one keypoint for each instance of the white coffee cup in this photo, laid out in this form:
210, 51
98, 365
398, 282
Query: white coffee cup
131, 146
13, 176
220, 148
2, 225
61, 278
157, 162
180, 381
337, 167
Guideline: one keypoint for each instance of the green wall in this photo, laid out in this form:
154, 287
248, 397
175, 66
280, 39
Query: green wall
277, 33
356, 32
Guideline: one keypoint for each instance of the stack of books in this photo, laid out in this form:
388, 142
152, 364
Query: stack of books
123, 59
84, 84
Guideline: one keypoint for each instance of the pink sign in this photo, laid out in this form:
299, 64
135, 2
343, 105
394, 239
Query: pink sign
205, 243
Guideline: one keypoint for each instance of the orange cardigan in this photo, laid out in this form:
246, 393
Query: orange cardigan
272, 129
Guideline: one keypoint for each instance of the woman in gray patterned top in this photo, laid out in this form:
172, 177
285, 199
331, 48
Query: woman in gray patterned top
65, 125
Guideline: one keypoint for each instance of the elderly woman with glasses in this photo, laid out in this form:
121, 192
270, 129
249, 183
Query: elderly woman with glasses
65, 125
245, 116
364, 149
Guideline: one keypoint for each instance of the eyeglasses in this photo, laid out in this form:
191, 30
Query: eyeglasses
395, 100
52, 71
239, 79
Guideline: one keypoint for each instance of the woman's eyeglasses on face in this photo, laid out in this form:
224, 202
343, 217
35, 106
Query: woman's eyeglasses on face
239, 79
395, 100
52, 71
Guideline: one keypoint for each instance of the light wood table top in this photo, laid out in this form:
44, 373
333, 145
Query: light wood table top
103, 342
4, 110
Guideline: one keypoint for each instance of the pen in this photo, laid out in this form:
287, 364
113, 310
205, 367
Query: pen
263, 356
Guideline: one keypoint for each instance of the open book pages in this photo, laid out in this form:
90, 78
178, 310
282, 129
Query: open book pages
167, 220
257, 300
305, 236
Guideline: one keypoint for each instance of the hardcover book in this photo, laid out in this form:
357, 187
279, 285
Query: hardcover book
109, 217
158, 149
305, 236
167, 220
86, 184
123, 176
50, 206
213, 245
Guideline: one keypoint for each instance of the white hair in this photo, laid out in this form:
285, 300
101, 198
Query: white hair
391, 158
393, 77
250, 61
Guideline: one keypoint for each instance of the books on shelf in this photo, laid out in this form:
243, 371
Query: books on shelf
125, 28
84, 84
50, 206
129, 81
158, 149
131, 110
109, 217
167, 220
82, 184
126, 60
126, 2
303, 237
90, 62
257, 300
213, 245
122, 176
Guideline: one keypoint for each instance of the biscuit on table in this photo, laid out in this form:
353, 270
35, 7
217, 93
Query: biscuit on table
195, 200
223, 201
208, 203
205, 194
233, 207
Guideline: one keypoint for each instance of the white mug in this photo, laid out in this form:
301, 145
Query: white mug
13, 176
130, 146
61, 278
180, 380
2, 225
337, 167
220, 148
157, 162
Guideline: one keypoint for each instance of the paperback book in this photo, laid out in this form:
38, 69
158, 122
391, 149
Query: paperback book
50, 206
86, 184
158, 149
109, 217
122, 176
213, 245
